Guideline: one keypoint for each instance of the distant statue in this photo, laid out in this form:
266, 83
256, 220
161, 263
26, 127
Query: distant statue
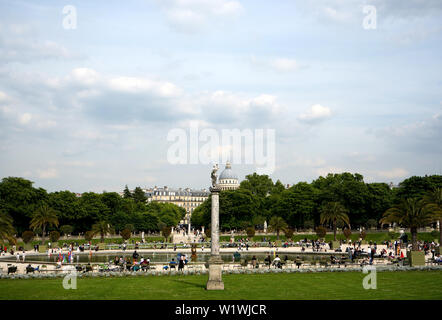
214, 176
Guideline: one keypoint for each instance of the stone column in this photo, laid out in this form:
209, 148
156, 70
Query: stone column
215, 262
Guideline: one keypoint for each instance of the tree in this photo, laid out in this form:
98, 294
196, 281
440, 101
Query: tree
19, 200
410, 213
67, 206
277, 224
347, 189
258, 185
44, 217
88, 236
27, 236
309, 224
379, 199
433, 200
371, 223
127, 194
6, 229
416, 187
296, 204
139, 195
332, 212
102, 228
66, 229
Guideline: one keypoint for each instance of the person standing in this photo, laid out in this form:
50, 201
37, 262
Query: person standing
18, 256
24, 255
181, 263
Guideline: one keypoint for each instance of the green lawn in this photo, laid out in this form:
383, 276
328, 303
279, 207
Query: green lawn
348, 285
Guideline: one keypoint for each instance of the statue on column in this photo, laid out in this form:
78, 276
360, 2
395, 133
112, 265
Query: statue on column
214, 176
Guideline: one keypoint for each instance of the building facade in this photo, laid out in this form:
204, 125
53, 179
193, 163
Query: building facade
228, 180
186, 198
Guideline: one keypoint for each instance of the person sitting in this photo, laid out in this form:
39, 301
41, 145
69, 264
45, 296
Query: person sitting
254, 262
12, 269
277, 262
172, 264
268, 260
29, 269
135, 255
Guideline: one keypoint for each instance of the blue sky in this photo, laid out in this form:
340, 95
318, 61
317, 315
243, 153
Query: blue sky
89, 109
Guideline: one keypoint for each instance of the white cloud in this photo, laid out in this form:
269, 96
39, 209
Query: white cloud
137, 85
315, 113
190, 16
277, 64
3, 97
48, 173
284, 64
25, 118
18, 44
393, 173
323, 171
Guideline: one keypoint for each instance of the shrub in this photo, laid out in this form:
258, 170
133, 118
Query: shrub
66, 229
250, 232
54, 236
321, 231
27, 236
166, 231
208, 232
435, 234
347, 233
88, 235
126, 234
363, 234
288, 233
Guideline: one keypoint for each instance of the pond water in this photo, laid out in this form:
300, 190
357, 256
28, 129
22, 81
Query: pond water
166, 257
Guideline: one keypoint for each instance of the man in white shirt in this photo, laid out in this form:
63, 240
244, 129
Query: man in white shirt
277, 261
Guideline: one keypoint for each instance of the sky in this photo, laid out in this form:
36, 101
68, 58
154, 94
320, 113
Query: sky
91, 90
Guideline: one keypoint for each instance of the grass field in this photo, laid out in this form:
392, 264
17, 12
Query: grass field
390, 285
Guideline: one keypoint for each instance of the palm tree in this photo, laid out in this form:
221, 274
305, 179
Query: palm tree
410, 213
277, 224
334, 212
101, 227
43, 217
7, 230
433, 200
